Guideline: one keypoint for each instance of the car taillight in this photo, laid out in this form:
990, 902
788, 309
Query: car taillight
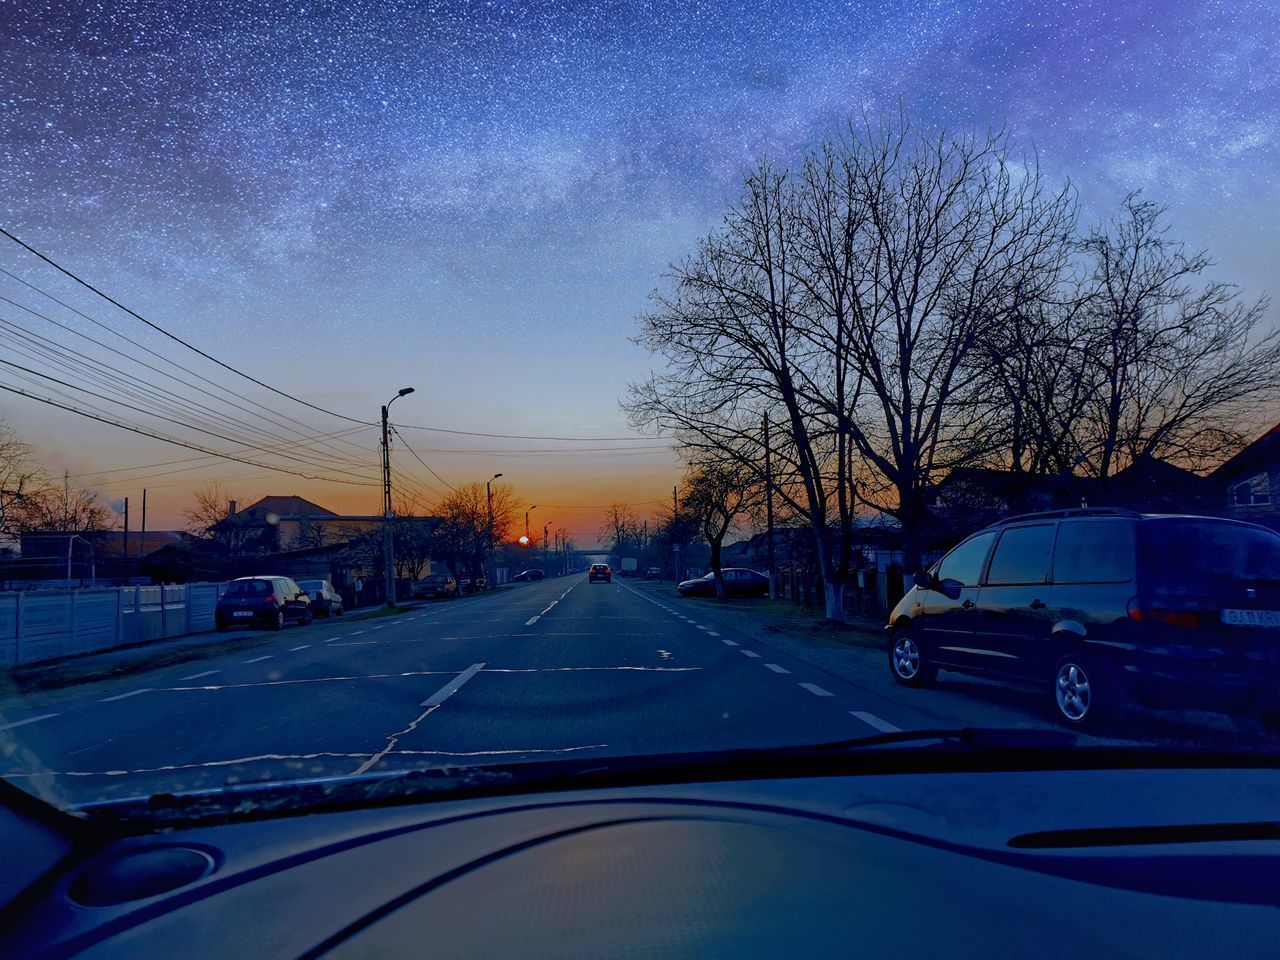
1186, 619
270, 598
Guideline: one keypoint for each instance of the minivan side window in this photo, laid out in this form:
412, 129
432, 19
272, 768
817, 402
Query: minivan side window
964, 563
1022, 555
1094, 551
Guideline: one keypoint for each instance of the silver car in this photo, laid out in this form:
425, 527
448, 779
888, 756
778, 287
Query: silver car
325, 601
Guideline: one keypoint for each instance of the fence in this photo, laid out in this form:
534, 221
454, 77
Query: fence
40, 625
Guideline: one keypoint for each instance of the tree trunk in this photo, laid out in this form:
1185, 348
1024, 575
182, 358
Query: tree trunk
833, 595
715, 567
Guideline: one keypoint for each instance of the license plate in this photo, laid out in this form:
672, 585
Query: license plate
243, 613
1252, 618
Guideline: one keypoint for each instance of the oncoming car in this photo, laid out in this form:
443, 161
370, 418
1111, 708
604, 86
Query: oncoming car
600, 571
1103, 607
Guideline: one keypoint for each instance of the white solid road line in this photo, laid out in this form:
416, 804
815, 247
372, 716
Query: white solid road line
816, 690
23, 723
450, 688
125, 696
301, 646
260, 659
775, 668
197, 676
884, 726
531, 621
750, 653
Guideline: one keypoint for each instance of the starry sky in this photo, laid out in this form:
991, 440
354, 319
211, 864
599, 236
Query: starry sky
476, 198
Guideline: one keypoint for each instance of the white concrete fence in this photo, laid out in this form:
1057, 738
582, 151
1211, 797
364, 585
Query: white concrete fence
38, 625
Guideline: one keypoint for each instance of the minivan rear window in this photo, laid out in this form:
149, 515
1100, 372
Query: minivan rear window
1192, 556
1094, 551
1022, 555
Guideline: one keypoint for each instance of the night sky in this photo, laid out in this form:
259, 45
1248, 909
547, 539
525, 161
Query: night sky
476, 198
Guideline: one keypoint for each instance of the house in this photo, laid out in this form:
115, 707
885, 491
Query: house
283, 523
1248, 485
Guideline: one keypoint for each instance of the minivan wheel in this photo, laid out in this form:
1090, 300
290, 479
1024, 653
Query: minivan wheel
1085, 694
907, 661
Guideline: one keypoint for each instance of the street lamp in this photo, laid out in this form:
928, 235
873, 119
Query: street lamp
488, 497
388, 552
526, 520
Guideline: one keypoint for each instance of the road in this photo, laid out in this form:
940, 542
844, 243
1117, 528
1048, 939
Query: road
554, 668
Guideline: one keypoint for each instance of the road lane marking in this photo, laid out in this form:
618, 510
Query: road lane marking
260, 659
23, 723
301, 646
816, 690
775, 668
701, 627
531, 621
587, 669
358, 632
125, 696
197, 676
214, 687
713, 633
884, 726
357, 643
750, 653
452, 687
393, 739
728, 643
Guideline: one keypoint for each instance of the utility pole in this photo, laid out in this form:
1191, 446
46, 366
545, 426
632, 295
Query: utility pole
768, 505
488, 553
388, 549
142, 534
126, 537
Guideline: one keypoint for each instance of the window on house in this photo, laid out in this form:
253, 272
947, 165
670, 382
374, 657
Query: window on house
1255, 490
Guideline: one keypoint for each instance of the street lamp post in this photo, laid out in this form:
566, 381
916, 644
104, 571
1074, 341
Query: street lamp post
488, 553
526, 520
388, 550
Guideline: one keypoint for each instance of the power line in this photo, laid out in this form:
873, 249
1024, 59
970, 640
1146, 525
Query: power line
180, 443
421, 461
519, 436
174, 337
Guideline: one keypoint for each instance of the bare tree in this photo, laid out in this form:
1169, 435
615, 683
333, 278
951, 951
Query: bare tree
620, 528
1180, 368
64, 508
210, 516
720, 495
22, 482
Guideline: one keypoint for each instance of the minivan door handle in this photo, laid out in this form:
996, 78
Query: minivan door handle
968, 605
1037, 604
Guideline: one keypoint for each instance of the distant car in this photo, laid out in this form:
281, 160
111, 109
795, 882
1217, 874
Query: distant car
1099, 607
524, 576
653, 573
325, 601
262, 601
600, 571
738, 582
437, 585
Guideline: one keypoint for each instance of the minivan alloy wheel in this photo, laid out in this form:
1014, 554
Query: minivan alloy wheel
906, 657
1072, 689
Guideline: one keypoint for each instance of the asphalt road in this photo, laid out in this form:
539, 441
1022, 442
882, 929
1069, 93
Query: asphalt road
549, 669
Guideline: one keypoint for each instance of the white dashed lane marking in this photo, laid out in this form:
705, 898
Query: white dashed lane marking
125, 696
197, 676
260, 659
775, 668
816, 690
301, 646
884, 726
728, 643
750, 653
23, 723
450, 688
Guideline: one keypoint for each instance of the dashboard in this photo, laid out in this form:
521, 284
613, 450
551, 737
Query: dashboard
1076, 864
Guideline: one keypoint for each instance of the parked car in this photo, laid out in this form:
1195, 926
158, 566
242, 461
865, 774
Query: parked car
262, 601
600, 571
325, 601
653, 573
1102, 608
436, 586
738, 582
525, 576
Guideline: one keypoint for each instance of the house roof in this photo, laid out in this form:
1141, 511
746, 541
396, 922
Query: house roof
1248, 457
292, 505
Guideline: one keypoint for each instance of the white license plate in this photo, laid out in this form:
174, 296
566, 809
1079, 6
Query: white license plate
1252, 618
243, 613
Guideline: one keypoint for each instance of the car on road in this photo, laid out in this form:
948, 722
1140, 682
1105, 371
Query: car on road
1103, 608
653, 573
738, 582
262, 601
325, 601
600, 571
436, 586
525, 576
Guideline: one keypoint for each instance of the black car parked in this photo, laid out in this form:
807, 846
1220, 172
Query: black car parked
262, 601
1103, 606
738, 582
524, 576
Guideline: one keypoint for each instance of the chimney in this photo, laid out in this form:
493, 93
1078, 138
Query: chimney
231, 508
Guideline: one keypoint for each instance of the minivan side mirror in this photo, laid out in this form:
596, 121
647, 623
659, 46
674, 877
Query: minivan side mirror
922, 580
950, 589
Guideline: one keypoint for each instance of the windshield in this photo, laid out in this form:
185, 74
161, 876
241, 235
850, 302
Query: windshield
640, 378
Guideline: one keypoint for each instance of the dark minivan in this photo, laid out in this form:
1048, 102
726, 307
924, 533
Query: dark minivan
262, 601
1103, 606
